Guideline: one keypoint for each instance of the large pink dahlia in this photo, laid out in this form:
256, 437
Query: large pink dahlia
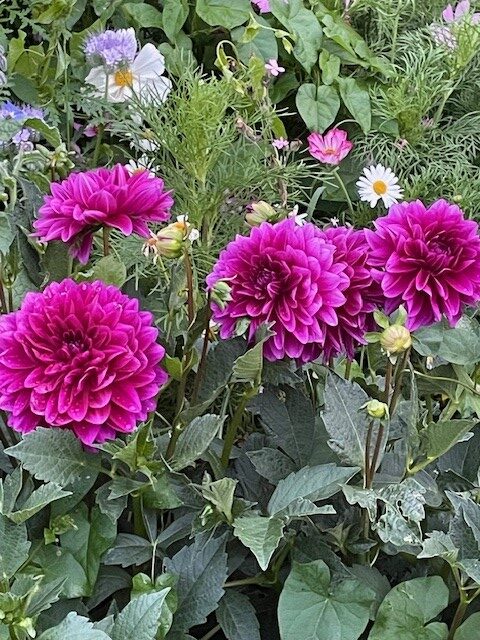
283, 274
87, 201
363, 295
427, 259
81, 357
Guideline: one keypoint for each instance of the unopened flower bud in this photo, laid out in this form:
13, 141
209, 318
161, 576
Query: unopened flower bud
396, 339
167, 243
376, 409
260, 212
221, 293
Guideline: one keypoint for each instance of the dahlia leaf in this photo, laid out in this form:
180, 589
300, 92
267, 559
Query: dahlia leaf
54, 455
37, 500
237, 618
457, 345
438, 437
110, 270
110, 580
260, 534
218, 369
195, 440
14, 547
129, 550
140, 619
407, 609
311, 483
202, 570
272, 464
74, 627
312, 606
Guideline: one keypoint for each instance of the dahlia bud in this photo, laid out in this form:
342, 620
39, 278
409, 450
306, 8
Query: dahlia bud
376, 409
167, 243
396, 339
221, 293
260, 212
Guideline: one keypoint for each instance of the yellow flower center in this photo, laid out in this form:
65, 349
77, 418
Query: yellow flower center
329, 151
380, 187
123, 78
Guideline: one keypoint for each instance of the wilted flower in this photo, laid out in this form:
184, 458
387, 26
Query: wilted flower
142, 78
170, 241
273, 68
112, 48
379, 183
395, 339
286, 275
258, 212
330, 148
87, 201
81, 357
427, 259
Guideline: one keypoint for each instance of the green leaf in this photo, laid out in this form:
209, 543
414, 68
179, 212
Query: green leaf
195, 440
7, 233
220, 493
262, 45
438, 437
144, 14
313, 607
219, 362
457, 345
54, 455
110, 580
202, 570
469, 629
311, 483
438, 544
237, 618
43, 598
408, 608
74, 627
51, 134
317, 106
56, 564
110, 270
248, 367
175, 12
307, 32
224, 13
260, 534
141, 617
270, 463
14, 547
129, 550
357, 101
37, 500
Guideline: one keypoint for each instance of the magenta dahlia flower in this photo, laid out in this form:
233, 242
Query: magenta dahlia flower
87, 201
427, 259
283, 274
81, 357
363, 295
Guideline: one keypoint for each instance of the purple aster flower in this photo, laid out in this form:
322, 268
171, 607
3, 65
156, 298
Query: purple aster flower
112, 48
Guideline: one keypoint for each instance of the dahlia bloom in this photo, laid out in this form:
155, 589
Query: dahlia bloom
330, 148
363, 295
427, 259
81, 357
86, 201
283, 274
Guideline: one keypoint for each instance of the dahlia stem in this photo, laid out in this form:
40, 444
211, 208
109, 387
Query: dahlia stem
202, 363
397, 387
388, 381
138, 524
10, 299
233, 425
98, 145
106, 241
3, 300
376, 453
348, 369
368, 441
189, 276
343, 188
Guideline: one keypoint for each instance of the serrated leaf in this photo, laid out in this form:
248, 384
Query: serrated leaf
201, 569
260, 534
438, 437
74, 627
37, 500
51, 134
311, 483
408, 608
438, 544
237, 618
313, 607
129, 550
141, 617
44, 597
220, 493
457, 345
14, 547
54, 455
195, 440
272, 464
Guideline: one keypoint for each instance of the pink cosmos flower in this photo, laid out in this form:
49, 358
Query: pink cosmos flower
330, 148
283, 274
81, 357
85, 202
262, 5
451, 15
273, 67
280, 143
427, 259
362, 296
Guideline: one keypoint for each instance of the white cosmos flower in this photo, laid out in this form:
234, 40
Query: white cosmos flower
142, 78
379, 183
300, 218
142, 164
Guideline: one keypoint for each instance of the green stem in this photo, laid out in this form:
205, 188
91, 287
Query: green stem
398, 381
138, 524
3, 300
376, 453
459, 614
343, 188
211, 633
348, 369
233, 425
98, 145
368, 441
388, 381
244, 581
106, 241
190, 295
202, 363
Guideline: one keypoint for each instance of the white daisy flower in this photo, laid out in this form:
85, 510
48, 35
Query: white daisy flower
142, 164
143, 78
379, 183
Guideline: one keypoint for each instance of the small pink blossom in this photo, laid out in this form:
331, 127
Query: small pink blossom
90, 131
262, 5
330, 148
273, 68
280, 143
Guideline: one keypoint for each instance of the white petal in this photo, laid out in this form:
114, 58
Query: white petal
149, 63
97, 77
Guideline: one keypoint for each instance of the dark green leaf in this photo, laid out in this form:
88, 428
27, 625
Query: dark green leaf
141, 617
174, 13
74, 627
195, 440
224, 13
318, 106
260, 534
357, 101
236, 616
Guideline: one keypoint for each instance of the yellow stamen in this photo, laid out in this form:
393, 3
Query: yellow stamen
123, 78
380, 187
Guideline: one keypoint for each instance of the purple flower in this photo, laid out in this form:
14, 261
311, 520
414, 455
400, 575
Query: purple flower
462, 10
112, 48
273, 67
427, 259
24, 138
280, 143
81, 357
85, 202
286, 275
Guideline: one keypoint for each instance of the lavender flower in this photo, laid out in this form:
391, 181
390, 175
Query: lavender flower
112, 48
23, 138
